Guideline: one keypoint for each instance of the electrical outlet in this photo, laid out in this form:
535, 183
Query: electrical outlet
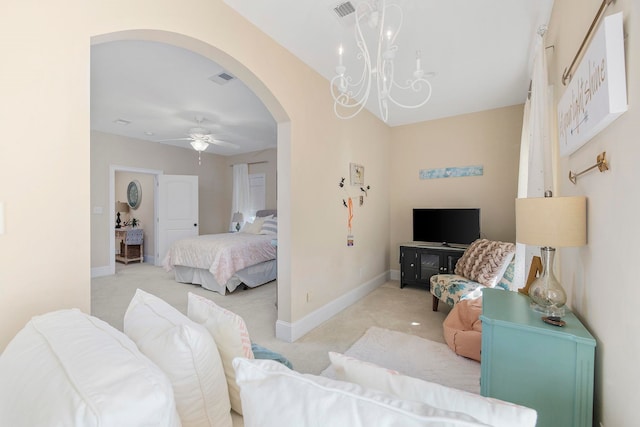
308, 296
361, 271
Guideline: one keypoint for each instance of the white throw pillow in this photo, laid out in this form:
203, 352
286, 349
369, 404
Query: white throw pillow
494, 412
275, 396
230, 334
66, 368
255, 226
187, 354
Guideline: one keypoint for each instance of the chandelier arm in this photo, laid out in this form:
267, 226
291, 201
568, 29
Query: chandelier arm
415, 89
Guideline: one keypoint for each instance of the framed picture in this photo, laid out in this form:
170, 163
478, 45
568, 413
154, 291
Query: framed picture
357, 174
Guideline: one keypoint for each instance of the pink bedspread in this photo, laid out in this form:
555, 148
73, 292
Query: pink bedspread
222, 254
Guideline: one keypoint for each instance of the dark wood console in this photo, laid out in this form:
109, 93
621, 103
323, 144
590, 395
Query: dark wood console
421, 260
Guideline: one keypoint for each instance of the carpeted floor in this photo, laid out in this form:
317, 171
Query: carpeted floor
405, 310
425, 359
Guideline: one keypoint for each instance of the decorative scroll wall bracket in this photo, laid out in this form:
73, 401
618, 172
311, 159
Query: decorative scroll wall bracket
601, 164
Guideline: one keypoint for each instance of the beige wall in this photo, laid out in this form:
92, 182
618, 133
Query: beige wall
489, 138
215, 181
600, 279
109, 151
54, 39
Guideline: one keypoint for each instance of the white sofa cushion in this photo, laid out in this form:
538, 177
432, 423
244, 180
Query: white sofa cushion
187, 354
66, 368
275, 396
230, 334
494, 412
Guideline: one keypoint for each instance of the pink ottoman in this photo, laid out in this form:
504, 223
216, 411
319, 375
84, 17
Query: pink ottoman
463, 328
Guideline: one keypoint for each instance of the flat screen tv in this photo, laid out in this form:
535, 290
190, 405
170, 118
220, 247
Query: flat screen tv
446, 225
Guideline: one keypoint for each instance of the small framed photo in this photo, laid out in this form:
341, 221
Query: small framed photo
357, 174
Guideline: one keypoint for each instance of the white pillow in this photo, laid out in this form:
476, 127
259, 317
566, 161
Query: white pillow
494, 412
275, 396
270, 226
66, 368
255, 226
230, 334
187, 354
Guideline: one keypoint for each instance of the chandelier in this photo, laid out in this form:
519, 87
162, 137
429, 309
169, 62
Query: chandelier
351, 94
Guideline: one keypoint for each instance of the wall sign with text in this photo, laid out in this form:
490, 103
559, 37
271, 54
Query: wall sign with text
597, 93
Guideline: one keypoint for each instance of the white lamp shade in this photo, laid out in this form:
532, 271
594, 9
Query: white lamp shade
237, 217
552, 221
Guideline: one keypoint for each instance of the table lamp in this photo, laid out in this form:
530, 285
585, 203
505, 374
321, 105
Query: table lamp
237, 218
120, 207
550, 222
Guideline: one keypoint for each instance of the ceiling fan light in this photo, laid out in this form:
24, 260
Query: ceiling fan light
199, 145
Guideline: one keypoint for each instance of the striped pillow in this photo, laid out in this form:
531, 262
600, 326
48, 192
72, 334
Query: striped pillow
270, 226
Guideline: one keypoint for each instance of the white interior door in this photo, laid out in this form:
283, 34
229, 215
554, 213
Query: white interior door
177, 211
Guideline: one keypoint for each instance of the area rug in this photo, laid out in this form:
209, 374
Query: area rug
416, 357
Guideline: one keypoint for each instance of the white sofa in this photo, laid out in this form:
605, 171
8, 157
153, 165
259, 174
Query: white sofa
66, 368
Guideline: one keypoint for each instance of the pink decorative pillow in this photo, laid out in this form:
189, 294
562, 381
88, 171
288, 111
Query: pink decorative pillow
230, 334
485, 260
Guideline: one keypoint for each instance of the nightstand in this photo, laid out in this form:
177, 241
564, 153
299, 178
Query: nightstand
528, 362
131, 244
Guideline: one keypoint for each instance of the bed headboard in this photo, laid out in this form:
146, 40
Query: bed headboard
266, 212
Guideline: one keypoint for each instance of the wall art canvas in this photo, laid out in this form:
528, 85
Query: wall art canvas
597, 93
453, 172
357, 174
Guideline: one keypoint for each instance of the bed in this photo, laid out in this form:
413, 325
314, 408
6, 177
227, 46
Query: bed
221, 262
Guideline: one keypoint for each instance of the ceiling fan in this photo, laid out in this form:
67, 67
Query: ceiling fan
201, 138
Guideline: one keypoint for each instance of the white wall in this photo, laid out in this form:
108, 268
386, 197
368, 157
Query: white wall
600, 278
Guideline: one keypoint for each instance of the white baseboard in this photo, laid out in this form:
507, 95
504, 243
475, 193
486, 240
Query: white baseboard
107, 271
101, 271
290, 332
394, 275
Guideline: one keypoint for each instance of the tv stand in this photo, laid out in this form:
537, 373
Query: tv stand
421, 260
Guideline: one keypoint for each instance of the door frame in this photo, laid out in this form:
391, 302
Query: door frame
112, 202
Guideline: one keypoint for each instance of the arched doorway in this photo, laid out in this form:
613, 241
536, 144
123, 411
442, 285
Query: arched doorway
283, 136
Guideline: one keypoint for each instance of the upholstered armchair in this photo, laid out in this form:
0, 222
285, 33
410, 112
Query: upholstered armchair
485, 263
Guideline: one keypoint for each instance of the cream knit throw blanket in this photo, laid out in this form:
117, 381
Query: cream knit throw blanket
484, 260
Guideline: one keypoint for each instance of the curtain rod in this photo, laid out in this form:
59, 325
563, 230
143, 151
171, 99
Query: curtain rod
249, 163
568, 72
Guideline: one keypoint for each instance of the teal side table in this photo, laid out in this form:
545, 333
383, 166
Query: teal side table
528, 362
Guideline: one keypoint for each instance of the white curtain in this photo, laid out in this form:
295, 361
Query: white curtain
241, 201
535, 148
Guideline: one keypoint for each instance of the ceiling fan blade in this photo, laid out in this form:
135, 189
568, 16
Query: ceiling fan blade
225, 144
174, 139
